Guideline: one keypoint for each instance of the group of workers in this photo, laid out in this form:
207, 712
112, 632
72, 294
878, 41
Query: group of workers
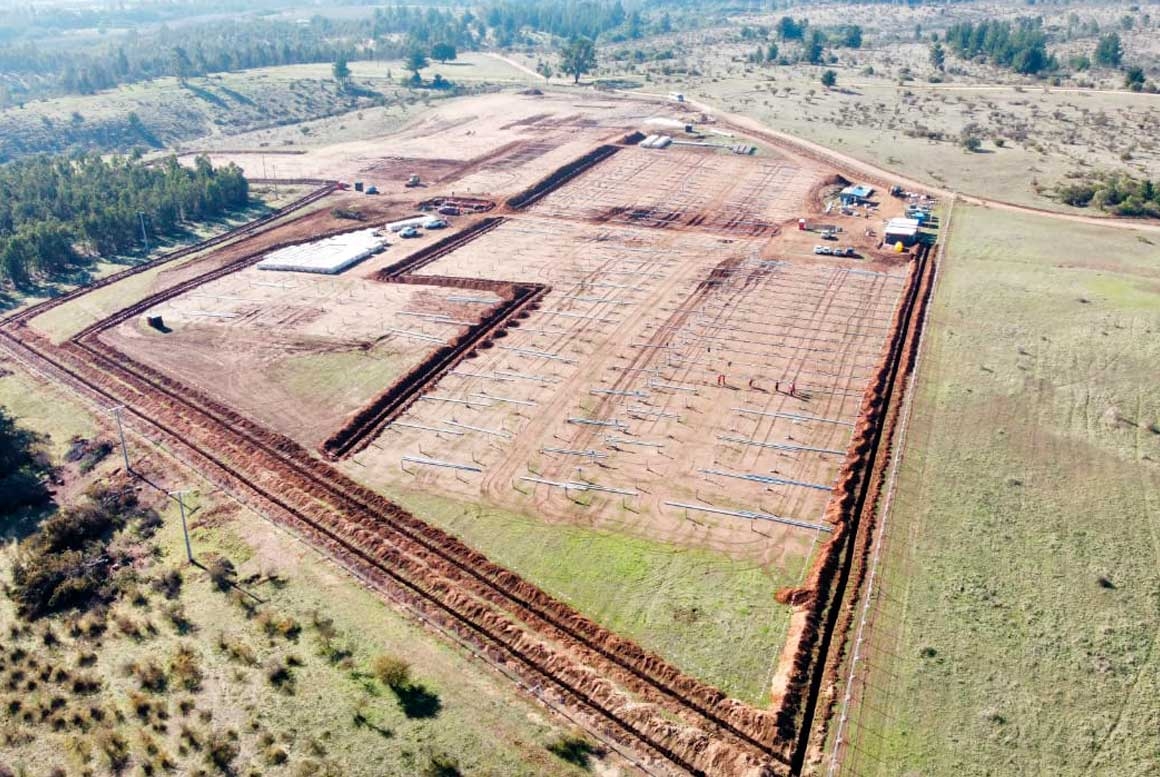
753, 385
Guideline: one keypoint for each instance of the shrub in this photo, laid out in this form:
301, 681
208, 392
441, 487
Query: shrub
169, 583
175, 613
149, 675
391, 671
280, 676
86, 684
237, 650
274, 755
574, 749
115, 750
222, 573
440, 765
222, 750
185, 666
23, 469
190, 737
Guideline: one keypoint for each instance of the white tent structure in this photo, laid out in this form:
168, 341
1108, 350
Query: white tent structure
329, 256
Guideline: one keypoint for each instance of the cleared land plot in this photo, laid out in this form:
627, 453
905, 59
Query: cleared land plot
298, 352
1017, 631
672, 376
688, 187
477, 145
611, 388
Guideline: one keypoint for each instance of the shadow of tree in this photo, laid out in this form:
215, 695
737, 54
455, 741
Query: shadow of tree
575, 750
417, 702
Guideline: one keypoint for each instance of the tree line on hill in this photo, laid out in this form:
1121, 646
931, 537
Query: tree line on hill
38, 68
58, 213
1022, 47
811, 41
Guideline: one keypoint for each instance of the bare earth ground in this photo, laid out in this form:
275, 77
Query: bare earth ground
273, 344
479, 143
669, 270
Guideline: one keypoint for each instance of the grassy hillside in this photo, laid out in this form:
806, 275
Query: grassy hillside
166, 114
1023, 576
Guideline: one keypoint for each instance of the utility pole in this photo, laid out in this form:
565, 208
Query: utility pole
141, 215
179, 495
121, 430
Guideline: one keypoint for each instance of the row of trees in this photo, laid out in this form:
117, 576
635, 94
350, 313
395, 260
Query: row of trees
1021, 46
194, 50
60, 212
1116, 193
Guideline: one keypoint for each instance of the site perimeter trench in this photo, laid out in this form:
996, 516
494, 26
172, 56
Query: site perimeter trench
721, 724
710, 708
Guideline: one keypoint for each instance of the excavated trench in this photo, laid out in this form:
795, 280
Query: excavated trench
688, 724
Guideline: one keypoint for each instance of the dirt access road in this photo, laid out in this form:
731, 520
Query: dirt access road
836, 158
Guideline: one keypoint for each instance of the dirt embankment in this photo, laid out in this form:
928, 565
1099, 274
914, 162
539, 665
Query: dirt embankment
835, 656
560, 176
826, 621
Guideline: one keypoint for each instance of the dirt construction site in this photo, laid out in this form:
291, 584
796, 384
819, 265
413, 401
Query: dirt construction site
595, 332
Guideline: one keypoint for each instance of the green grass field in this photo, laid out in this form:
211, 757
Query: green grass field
1023, 569
47, 412
712, 616
332, 718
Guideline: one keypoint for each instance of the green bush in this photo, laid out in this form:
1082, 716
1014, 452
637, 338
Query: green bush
66, 562
391, 671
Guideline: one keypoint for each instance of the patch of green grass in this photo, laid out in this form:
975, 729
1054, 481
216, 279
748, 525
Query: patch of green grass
357, 375
712, 616
1025, 552
44, 410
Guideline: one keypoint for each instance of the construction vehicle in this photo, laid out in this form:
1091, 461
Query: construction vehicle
412, 181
